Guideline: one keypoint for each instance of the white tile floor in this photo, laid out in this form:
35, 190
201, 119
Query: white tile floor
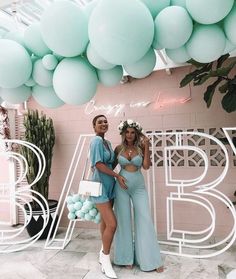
80, 260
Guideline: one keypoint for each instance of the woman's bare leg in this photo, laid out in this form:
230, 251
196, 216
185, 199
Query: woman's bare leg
108, 225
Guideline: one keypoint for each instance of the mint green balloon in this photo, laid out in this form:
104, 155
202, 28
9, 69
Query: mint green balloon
155, 6
110, 77
96, 60
181, 3
230, 25
15, 36
209, 11
49, 62
16, 95
34, 42
178, 55
41, 75
15, 64
121, 31
229, 47
89, 7
46, 97
207, 43
64, 28
75, 81
143, 67
2, 32
173, 27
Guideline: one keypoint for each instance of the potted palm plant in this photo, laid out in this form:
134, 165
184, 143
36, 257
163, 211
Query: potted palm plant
39, 130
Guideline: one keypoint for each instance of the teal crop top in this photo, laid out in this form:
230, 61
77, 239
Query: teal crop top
137, 161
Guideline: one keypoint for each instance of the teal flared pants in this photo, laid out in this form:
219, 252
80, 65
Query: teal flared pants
135, 242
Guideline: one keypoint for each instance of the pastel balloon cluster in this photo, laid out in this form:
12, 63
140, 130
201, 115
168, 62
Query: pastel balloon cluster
82, 208
64, 57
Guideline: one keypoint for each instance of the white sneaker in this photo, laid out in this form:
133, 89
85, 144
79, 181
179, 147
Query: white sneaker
107, 267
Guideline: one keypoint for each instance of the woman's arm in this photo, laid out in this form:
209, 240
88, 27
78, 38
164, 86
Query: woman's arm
116, 151
146, 153
103, 168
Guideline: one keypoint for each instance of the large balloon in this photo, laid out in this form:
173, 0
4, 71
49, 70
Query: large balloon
178, 55
181, 3
121, 31
173, 27
110, 77
1, 100
34, 41
230, 25
96, 60
46, 97
143, 67
209, 11
75, 81
65, 28
207, 43
16, 95
15, 36
156, 6
15, 64
41, 75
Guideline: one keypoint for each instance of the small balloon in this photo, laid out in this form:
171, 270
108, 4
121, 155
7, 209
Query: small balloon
96, 60
69, 200
49, 62
143, 67
71, 216
178, 55
42, 76
88, 217
110, 77
78, 205
79, 214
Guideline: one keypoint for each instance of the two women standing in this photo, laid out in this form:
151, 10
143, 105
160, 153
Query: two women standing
131, 155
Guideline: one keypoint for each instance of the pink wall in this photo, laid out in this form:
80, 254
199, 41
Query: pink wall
165, 112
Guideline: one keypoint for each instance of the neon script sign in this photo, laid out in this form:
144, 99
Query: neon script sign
116, 109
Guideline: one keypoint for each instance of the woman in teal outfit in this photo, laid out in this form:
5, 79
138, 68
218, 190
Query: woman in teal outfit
142, 245
102, 158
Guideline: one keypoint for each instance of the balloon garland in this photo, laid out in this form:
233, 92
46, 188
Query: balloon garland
64, 57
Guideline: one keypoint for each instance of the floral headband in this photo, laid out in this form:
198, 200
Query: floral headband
129, 123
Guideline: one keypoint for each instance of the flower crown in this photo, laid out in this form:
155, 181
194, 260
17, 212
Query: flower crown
129, 123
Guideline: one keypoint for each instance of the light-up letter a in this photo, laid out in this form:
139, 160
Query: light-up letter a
198, 199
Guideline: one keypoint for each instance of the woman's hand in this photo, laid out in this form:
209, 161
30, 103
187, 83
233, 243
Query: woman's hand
145, 141
122, 181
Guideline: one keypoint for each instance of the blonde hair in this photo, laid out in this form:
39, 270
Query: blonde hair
137, 141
